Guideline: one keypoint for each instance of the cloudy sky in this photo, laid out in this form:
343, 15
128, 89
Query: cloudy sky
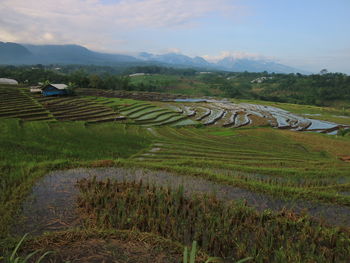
308, 34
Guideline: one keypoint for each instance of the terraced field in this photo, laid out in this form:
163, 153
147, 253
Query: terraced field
214, 113
146, 113
78, 109
17, 103
227, 114
261, 159
294, 185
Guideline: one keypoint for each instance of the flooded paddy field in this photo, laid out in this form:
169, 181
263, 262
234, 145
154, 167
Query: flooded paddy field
52, 204
219, 113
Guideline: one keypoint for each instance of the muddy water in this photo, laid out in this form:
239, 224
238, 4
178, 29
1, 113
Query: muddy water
52, 204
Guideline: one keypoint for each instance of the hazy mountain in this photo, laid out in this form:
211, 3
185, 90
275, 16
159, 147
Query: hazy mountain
254, 65
12, 53
74, 54
175, 59
227, 63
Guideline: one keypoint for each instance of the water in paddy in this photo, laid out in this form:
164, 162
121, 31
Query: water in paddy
321, 125
190, 100
52, 204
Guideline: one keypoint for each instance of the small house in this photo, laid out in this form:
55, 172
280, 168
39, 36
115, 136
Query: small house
35, 89
8, 81
55, 89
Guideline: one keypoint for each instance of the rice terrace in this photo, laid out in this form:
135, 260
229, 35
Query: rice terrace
185, 131
238, 177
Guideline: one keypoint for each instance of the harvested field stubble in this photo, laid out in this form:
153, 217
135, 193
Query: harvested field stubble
222, 230
107, 246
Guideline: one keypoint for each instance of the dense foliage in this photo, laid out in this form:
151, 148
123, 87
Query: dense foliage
313, 89
317, 89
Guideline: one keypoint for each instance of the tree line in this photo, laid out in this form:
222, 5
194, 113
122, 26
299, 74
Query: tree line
315, 89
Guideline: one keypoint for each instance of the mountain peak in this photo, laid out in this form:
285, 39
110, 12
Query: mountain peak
13, 53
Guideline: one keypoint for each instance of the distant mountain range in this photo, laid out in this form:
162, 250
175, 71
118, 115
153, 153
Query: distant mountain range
25, 54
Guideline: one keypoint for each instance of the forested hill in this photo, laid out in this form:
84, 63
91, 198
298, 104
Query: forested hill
313, 89
317, 89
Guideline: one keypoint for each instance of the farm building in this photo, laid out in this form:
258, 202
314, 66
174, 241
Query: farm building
55, 89
35, 89
8, 81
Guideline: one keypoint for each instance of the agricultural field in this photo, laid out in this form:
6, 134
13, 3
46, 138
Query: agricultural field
223, 113
146, 113
339, 115
189, 85
17, 103
105, 179
78, 109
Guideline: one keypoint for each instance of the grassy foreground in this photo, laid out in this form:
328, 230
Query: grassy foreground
28, 150
93, 245
279, 162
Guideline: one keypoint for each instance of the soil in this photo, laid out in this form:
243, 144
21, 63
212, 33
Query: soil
257, 121
52, 204
345, 158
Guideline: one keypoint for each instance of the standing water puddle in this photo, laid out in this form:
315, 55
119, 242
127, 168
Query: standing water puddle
52, 204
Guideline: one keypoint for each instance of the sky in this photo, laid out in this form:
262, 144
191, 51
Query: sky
306, 34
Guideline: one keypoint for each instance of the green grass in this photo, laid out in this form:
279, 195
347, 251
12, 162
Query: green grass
152, 115
221, 132
147, 113
291, 165
77, 109
13, 258
30, 149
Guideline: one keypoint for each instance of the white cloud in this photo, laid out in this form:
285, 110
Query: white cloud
95, 24
235, 55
